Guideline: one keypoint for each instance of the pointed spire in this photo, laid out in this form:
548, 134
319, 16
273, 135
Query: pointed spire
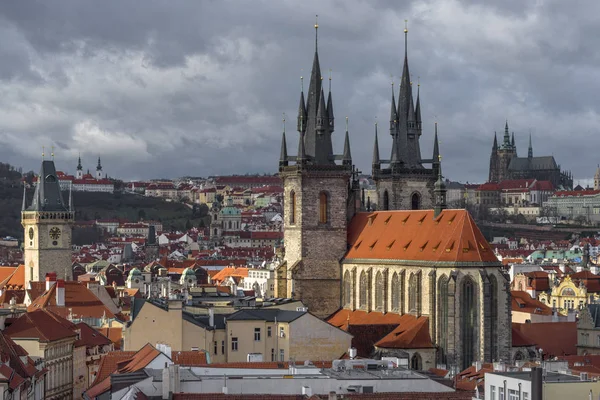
301, 157
436, 148
79, 167
506, 141
316, 32
347, 157
24, 205
283, 157
376, 161
322, 113
330, 105
495, 145
513, 140
418, 107
302, 109
71, 197
393, 113
99, 166
530, 150
439, 192
404, 98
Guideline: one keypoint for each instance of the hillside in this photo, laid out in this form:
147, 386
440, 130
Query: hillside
91, 206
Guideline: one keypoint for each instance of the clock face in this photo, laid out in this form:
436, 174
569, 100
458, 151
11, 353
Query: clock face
54, 233
31, 233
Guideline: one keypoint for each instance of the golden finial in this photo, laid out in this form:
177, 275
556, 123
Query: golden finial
346, 123
52, 154
317, 21
283, 122
418, 81
43, 152
321, 78
440, 158
405, 26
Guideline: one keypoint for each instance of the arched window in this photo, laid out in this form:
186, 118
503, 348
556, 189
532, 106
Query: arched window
363, 290
323, 208
386, 200
292, 207
229, 224
415, 362
215, 231
379, 292
347, 289
493, 318
468, 322
415, 201
414, 294
443, 318
395, 293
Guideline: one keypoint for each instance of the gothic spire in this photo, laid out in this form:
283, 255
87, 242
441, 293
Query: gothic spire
283, 157
99, 166
404, 97
418, 108
71, 197
330, 105
79, 167
530, 150
24, 205
376, 161
439, 192
495, 145
301, 157
393, 114
436, 148
322, 113
506, 142
302, 109
47, 195
512, 143
347, 157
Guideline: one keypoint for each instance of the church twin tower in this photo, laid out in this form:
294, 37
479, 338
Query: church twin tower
321, 191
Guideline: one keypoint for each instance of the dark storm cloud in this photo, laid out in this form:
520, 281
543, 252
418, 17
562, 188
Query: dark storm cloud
199, 87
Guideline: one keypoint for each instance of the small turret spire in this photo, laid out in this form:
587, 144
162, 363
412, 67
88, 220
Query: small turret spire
393, 113
79, 166
347, 157
530, 150
302, 108
283, 157
418, 106
301, 157
99, 166
512, 142
506, 141
439, 191
330, 105
376, 161
495, 145
24, 205
436, 148
322, 116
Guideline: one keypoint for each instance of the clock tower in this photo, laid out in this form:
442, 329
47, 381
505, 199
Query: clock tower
47, 222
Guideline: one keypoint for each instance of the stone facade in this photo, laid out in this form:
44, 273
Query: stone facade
398, 191
313, 248
47, 244
492, 340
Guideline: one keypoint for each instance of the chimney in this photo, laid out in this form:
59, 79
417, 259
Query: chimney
211, 317
536, 383
477, 365
50, 279
60, 293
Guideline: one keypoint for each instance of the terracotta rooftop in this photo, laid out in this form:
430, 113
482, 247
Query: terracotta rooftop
114, 334
416, 236
411, 333
139, 360
91, 337
555, 338
343, 318
79, 300
189, 358
523, 302
14, 280
40, 324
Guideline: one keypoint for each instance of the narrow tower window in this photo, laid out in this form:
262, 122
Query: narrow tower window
415, 201
323, 204
386, 201
292, 207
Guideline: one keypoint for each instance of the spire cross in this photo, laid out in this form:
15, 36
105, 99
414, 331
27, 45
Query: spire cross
346, 123
405, 37
330, 79
52, 154
43, 152
283, 122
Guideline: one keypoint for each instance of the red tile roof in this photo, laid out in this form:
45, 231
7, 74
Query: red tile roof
554, 338
523, 302
41, 325
412, 333
140, 359
189, 358
343, 318
91, 337
452, 237
79, 300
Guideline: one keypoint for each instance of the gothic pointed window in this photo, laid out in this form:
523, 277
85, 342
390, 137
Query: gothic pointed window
347, 289
323, 208
386, 200
443, 318
292, 207
415, 201
379, 292
468, 322
493, 318
414, 294
415, 362
363, 290
395, 293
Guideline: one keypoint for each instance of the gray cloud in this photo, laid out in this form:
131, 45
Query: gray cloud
198, 88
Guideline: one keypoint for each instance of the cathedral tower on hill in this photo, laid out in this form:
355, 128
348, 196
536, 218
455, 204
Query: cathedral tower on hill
47, 222
403, 183
321, 195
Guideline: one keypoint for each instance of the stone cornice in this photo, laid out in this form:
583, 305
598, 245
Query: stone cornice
420, 263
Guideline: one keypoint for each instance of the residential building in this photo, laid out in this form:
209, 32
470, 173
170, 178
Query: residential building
50, 337
280, 335
573, 204
588, 330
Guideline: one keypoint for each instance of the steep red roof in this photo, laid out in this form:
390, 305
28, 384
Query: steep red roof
140, 359
451, 237
412, 333
523, 302
91, 337
189, 358
41, 325
555, 338
342, 318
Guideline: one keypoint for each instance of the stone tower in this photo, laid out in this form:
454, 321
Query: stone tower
99, 170
597, 179
502, 155
79, 173
320, 196
47, 223
405, 183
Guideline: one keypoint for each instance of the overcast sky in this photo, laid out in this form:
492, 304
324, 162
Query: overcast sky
172, 88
